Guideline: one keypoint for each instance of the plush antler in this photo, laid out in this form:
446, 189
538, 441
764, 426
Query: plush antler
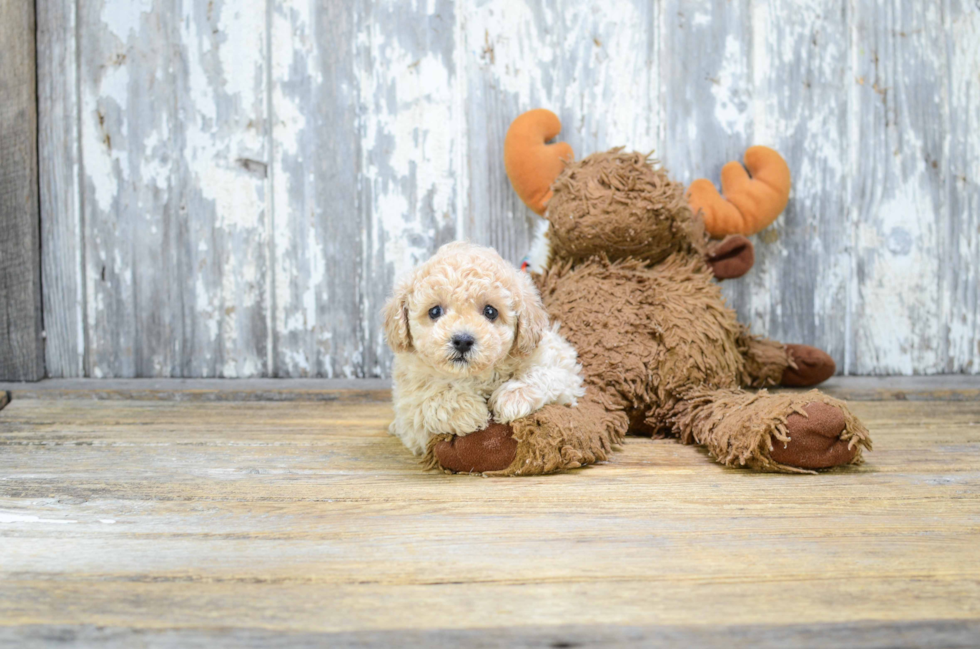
531, 164
752, 203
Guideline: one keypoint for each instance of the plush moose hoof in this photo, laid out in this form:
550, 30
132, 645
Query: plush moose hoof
815, 441
812, 366
490, 449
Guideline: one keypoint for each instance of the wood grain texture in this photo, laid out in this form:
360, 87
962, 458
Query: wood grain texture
318, 234
211, 521
961, 160
898, 193
251, 218
21, 328
221, 227
173, 131
127, 115
861, 635
59, 156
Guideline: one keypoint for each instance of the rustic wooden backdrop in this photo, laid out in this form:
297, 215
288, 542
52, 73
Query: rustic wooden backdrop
229, 186
21, 325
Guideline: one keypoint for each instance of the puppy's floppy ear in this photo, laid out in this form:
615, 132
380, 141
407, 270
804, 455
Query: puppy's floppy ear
396, 320
532, 319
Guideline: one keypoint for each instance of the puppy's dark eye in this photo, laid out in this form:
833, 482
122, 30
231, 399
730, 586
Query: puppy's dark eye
435, 312
490, 313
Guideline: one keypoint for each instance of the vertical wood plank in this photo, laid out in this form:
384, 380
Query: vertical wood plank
173, 125
961, 162
21, 328
410, 124
221, 185
128, 123
315, 170
899, 115
797, 291
60, 196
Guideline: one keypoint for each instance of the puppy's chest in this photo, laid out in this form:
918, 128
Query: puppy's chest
485, 386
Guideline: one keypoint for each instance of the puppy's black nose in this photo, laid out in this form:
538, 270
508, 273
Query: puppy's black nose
463, 342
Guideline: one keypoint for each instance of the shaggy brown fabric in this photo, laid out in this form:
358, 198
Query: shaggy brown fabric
741, 428
808, 366
732, 257
557, 438
553, 439
620, 205
766, 361
643, 332
662, 354
490, 449
815, 439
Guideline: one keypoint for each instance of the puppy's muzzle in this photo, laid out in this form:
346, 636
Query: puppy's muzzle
461, 344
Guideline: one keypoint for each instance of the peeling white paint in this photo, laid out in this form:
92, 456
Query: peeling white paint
203, 155
731, 87
123, 18
962, 169
898, 323
101, 159
408, 137
509, 39
899, 311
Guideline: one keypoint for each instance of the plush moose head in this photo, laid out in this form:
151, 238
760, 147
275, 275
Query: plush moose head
621, 205
624, 205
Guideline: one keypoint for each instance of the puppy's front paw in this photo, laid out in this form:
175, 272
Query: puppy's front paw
513, 400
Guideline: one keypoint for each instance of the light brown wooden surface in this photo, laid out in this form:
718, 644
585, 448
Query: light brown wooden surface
182, 521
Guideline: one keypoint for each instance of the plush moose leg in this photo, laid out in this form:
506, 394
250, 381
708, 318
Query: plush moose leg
789, 433
552, 439
765, 361
769, 363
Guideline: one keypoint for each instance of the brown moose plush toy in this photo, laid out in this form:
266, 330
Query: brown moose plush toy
630, 276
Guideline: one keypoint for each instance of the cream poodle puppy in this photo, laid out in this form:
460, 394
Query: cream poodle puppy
472, 342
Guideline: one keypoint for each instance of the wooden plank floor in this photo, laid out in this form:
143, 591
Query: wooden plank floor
182, 523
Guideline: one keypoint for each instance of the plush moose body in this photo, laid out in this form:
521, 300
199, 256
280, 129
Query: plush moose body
630, 275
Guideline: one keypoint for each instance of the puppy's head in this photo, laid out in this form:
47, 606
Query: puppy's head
464, 310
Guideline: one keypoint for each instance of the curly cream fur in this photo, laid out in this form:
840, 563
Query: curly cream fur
517, 365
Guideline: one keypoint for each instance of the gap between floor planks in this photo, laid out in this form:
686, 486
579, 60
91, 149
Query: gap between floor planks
950, 387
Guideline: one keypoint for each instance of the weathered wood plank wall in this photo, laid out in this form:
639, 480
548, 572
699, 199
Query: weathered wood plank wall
21, 333
228, 188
